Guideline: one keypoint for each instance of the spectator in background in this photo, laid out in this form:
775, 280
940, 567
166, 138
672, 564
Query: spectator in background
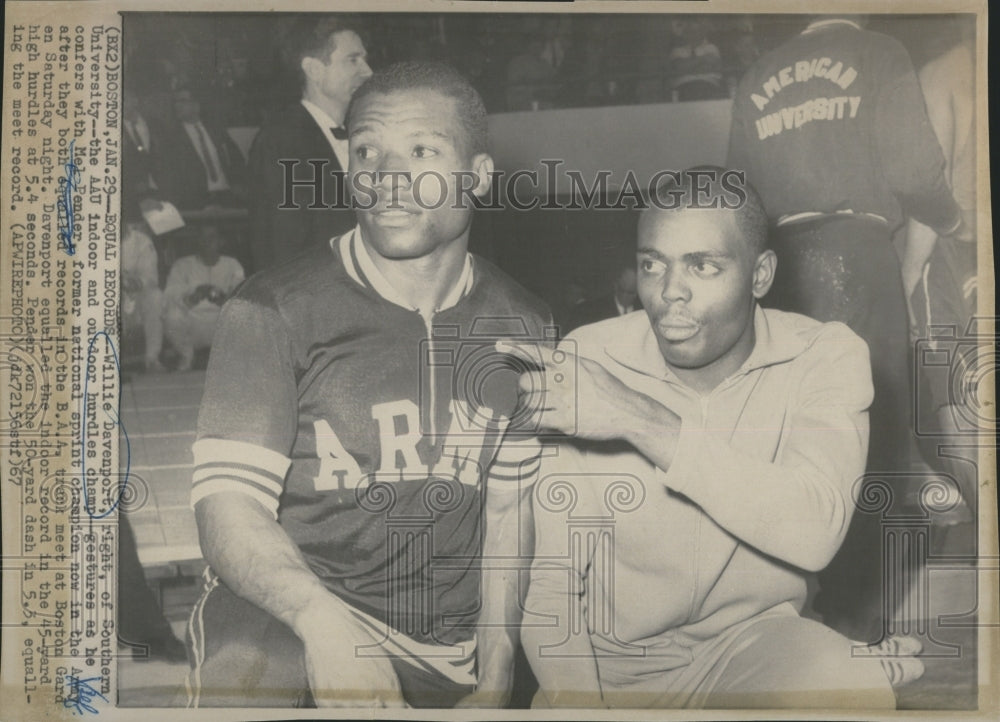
142, 299
695, 62
744, 53
143, 145
621, 300
140, 143
654, 59
740, 48
196, 288
232, 86
556, 41
939, 272
531, 78
329, 58
836, 187
199, 164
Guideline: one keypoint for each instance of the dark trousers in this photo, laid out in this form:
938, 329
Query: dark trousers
845, 269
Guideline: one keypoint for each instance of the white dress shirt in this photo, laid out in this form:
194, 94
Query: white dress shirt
193, 130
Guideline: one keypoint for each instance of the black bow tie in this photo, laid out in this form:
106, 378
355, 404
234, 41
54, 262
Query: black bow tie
340, 132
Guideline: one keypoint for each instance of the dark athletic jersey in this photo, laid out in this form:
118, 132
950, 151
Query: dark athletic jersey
833, 121
370, 433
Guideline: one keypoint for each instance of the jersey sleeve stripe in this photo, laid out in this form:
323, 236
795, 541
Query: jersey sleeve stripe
509, 480
528, 468
526, 475
517, 463
241, 454
252, 475
210, 479
200, 491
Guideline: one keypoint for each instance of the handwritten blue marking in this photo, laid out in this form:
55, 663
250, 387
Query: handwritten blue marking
81, 694
115, 416
64, 205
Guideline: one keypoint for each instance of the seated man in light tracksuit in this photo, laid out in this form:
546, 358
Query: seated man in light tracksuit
711, 452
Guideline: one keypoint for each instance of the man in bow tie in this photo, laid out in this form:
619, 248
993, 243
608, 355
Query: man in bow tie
302, 201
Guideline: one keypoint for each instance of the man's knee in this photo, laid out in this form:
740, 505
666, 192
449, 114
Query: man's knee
793, 662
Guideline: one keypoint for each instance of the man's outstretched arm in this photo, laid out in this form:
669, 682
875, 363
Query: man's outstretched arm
796, 508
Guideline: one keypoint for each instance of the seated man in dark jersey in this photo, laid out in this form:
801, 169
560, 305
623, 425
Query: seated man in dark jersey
350, 486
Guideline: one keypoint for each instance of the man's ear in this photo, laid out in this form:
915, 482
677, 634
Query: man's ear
763, 273
482, 166
310, 66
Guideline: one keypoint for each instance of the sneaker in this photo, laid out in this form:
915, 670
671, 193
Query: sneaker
898, 655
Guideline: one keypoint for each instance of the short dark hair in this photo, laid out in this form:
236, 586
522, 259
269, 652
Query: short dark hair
751, 218
431, 75
309, 36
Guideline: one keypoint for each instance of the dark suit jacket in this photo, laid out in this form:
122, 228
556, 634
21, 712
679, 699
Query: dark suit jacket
138, 165
596, 309
278, 234
180, 172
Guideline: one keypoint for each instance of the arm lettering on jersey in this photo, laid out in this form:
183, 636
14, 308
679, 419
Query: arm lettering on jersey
337, 468
468, 448
399, 444
468, 434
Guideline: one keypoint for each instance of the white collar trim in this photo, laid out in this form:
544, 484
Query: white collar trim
366, 273
819, 24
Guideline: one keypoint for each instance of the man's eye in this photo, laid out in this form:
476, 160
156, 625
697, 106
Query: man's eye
365, 152
648, 265
422, 151
706, 269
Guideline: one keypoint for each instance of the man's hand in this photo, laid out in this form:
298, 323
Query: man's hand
216, 295
340, 675
204, 292
569, 394
578, 397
